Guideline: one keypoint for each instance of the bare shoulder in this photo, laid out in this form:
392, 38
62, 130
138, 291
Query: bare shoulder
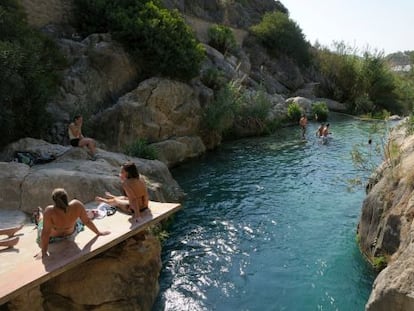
75, 203
48, 209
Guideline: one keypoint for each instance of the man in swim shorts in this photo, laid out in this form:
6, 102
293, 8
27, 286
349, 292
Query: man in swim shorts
62, 220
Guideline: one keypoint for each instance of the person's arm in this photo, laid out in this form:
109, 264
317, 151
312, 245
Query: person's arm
117, 197
45, 235
145, 197
109, 195
89, 223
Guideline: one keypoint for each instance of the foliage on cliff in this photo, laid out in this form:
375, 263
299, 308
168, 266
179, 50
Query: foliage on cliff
279, 34
364, 82
236, 107
158, 39
29, 64
222, 38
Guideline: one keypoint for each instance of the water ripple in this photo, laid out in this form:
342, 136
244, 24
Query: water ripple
268, 224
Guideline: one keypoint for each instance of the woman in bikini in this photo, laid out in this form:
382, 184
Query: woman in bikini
76, 137
62, 220
136, 199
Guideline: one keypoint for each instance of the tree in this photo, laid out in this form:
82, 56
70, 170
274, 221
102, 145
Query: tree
158, 40
29, 75
280, 34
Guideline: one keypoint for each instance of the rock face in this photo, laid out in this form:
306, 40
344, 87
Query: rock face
43, 12
123, 278
99, 71
120, 107
157, 110
160, 111
240, 14
24, 188
386, 229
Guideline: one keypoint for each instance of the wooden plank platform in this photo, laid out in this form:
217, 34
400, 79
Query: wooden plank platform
19, 271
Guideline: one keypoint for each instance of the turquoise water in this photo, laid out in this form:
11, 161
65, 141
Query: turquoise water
269, 224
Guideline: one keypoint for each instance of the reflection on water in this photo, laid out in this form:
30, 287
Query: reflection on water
268, 224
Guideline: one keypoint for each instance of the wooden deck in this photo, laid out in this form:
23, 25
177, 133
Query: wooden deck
19, 271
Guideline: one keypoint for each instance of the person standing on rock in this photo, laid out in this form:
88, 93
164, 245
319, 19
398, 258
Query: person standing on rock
62, 220
77, 139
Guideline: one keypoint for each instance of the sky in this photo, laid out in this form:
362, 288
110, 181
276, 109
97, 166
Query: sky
381, 25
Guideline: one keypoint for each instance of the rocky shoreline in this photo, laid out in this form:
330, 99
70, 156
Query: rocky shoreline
386, 230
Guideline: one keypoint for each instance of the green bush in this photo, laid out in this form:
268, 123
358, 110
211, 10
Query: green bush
29, 75
141, 149
405, 91
257, 107
320, 109
379, 263
378, 82
213, 78
365, 83
219, 115
222, 38
341, 73
159, 40
363, 105
279, 33
294, 112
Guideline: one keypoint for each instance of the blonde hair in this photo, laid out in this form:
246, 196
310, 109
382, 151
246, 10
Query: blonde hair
60, 197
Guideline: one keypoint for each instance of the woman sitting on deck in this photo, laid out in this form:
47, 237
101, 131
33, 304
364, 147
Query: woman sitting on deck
62, 220
136, 199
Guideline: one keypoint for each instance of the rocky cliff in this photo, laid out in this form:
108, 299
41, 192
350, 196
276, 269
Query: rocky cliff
101, 80
386, 229
237, 14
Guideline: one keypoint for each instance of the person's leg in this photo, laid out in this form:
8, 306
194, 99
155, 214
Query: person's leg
10, 231
90, 143
10, 242
110, 201
124, 208
120, 202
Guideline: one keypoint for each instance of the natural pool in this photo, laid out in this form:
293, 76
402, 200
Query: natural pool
269, 224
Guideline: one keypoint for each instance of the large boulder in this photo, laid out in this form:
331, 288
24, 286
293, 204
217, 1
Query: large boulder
124, 278
175, 151
157, 110
23, 187
12, 176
